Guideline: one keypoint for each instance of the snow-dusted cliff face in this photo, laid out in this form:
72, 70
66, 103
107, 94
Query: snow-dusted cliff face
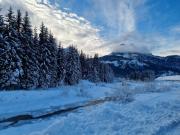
125, 63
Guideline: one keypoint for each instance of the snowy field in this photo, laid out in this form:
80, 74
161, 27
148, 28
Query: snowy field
142, 108
170, 78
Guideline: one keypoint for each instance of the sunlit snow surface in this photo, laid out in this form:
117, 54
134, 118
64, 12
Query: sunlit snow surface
154, 109
169, 78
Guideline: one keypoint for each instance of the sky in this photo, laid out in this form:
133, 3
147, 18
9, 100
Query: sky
105, 26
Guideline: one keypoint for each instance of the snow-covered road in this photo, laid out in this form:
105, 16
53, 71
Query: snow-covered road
154, 110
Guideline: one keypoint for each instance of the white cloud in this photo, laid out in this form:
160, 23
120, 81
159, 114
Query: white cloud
121, 18
176, 29
167, 46
69, 28
119, 15
130, 42
151, 43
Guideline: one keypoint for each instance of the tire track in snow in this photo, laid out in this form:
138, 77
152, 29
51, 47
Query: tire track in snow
13, 121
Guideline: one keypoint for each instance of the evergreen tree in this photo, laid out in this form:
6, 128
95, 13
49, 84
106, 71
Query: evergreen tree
11, 26
36, 41
52, 66
61, 71
27, 30
46, 57
29, 78
37, 48
73, 66
96, 68
42, 65
91, 72
19, 21
11, 20
10, 30
10, 17
2, 25
84, 67
106, 73
102, 72
43, 35
10, 62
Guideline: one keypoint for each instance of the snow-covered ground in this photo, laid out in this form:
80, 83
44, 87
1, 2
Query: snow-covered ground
36, 101
169, 78
152, 108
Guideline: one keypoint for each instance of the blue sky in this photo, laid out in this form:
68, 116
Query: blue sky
89, 10
152, 18
160, 16
102, 26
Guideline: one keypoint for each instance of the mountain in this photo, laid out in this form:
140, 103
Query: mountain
124, 64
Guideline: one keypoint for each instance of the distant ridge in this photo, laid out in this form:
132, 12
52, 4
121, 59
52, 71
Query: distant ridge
125, 63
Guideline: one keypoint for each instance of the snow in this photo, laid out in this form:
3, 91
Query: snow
115, 63
127, 55
136, 63
130, 59
169, 78
20, 102
153, 109
124, 62
146, 116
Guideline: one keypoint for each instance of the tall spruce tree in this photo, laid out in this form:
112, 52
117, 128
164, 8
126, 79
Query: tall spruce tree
96, 68
3, 55
45, 57
52, 47
73, 66
29, 78
42, 64
61, 71
35, 37
2, 25
106, 73
36, 43
19, 21
91, 73
10, 62
10, 19
85, 65
37, 48
27, 28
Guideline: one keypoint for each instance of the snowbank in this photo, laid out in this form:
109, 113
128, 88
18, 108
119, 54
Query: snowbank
39, 101
169, 78
148, 114
154, 109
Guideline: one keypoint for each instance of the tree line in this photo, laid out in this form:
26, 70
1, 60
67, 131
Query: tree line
31, 59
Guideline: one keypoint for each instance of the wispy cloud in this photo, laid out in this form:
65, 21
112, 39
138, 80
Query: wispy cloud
167, 45
68, 27
120, 31
175, 29
118, 15
122, 16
